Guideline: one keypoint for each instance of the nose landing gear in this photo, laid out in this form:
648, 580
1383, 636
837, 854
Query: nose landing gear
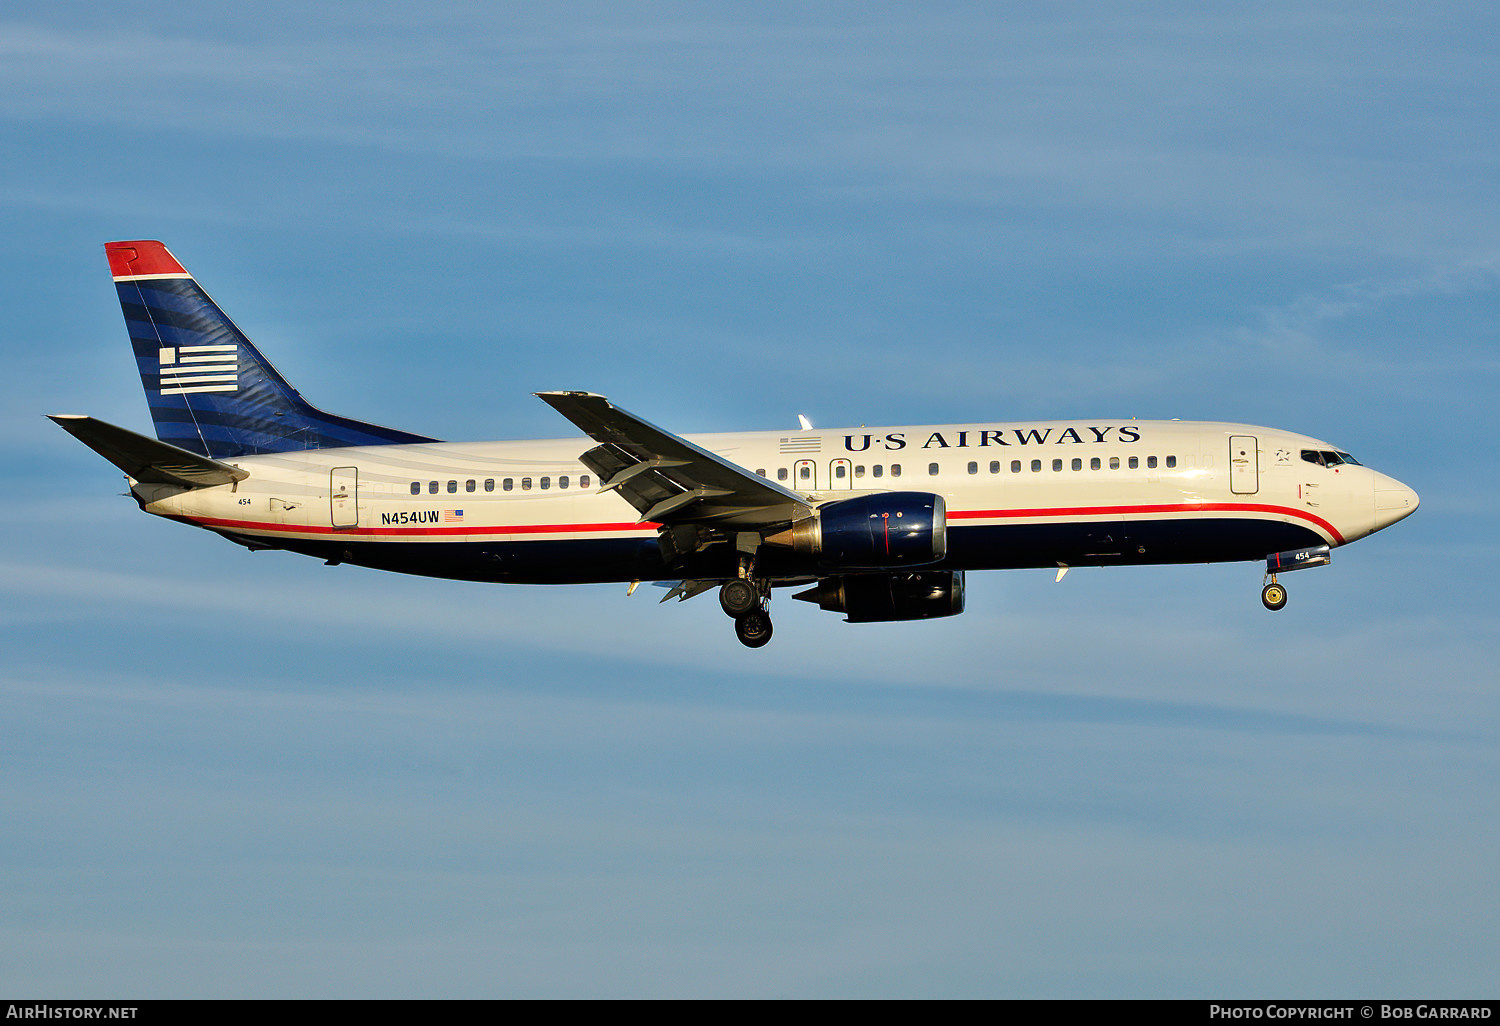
1273, 595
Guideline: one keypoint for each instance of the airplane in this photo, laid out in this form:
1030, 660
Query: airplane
880, 524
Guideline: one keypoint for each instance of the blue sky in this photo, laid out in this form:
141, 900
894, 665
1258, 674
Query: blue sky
235, 774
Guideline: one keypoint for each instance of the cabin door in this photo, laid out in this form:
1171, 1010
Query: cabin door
805, 476
343, 497
1244, 465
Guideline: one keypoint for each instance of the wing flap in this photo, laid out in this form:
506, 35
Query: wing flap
146, 459
668, 479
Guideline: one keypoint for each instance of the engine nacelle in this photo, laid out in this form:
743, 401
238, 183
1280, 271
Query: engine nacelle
872, 532
878, 598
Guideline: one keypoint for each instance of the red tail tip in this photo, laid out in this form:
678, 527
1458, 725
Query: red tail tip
132, 259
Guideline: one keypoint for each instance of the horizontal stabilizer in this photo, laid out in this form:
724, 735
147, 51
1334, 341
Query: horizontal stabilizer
146, 459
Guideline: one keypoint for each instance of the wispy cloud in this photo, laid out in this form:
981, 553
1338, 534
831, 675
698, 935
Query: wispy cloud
1299, 328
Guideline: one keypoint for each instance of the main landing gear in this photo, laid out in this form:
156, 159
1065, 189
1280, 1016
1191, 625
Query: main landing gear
745, 598
753, 629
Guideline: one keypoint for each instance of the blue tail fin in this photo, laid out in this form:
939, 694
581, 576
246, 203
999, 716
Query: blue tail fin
209, 389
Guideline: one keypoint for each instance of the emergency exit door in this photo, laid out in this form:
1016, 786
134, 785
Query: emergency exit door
840, 475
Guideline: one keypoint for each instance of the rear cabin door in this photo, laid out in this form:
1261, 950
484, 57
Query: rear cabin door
343, 497
1244, 465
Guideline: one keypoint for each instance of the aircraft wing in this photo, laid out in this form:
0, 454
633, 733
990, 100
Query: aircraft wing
668, 479
146, 459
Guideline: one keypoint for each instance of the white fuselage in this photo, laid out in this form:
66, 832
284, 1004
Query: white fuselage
1031, 494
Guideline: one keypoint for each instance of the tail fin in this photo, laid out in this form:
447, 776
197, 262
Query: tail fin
209, 389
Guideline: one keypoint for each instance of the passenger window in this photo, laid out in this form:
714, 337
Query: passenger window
583, 480
546, 483
1036, 466
1015, 466
432, 487
1056, 465
1135, 463
859, 470
840, 471
932, 469
510, 484
895, 470
1077, 463
525, 484
760, 473
562, 482
1094, 463
1114, 463
489, 484
781, 473
1150, 462
452, 486
877, 470
973, 467
806, 473
416, 487
470, 485
1171, 462
994, 466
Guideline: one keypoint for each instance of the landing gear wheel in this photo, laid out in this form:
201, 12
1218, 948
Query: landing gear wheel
753, 629
1273, 596
738, 597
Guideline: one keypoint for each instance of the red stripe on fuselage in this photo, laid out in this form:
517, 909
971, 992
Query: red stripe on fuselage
417, 532
618, 528
1104, 511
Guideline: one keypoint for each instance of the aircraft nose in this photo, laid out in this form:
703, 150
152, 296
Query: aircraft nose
1393, 501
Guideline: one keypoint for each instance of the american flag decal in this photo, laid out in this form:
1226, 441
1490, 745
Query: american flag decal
802, 443
453, 516
187, 369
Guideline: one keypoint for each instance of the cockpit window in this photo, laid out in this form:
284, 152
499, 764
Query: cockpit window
1328, 458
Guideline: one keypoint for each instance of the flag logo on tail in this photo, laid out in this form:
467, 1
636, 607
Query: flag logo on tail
186, 369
